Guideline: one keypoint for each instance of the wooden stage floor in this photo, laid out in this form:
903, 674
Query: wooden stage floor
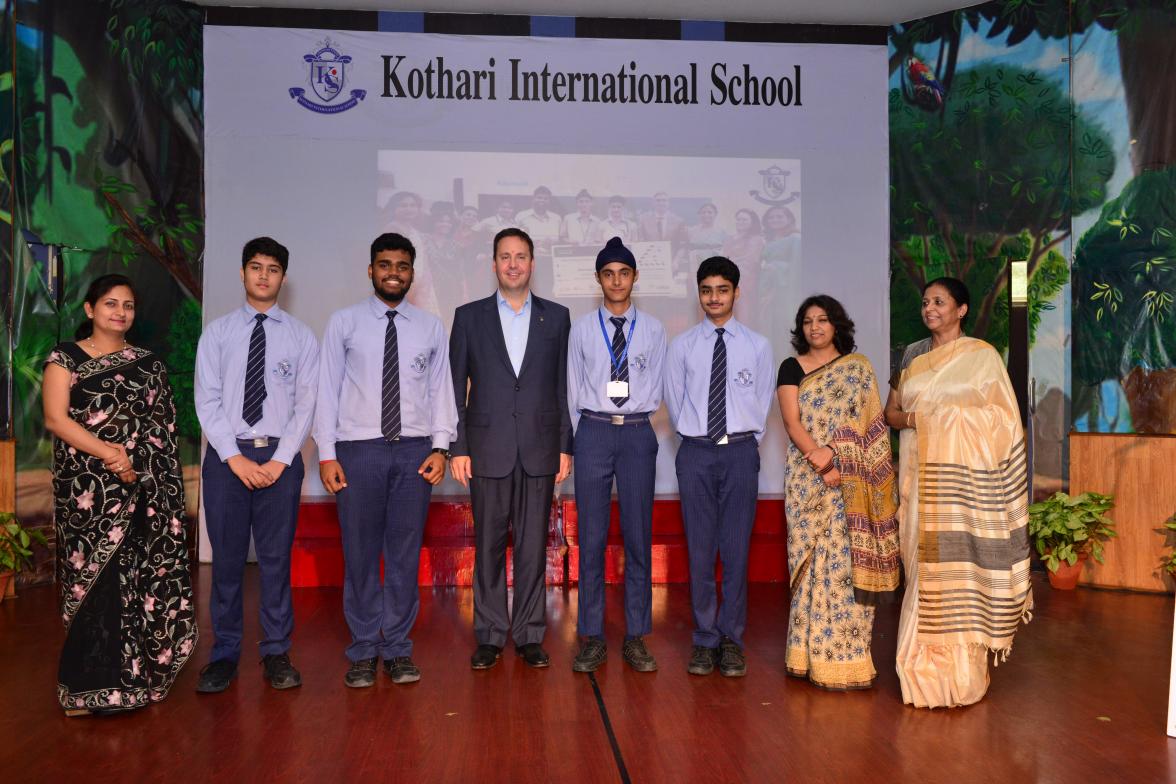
1083, 698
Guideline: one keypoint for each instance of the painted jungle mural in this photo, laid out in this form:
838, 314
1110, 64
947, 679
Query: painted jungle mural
1039, 132
107, 177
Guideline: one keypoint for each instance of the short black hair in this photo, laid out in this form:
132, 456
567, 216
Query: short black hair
842, 324
956, 288
393, 241
721, 266
265, 246
511, 231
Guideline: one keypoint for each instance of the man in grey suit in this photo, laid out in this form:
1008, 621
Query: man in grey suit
514, 443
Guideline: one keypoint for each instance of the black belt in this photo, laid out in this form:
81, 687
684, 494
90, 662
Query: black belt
732, 438
616, 419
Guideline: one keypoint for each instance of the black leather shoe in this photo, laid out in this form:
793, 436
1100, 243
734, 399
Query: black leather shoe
591, 656
216, 676
361, 674
280, 672
637, 657
731, 661
485, 657
702, 660
402, 670
533, 654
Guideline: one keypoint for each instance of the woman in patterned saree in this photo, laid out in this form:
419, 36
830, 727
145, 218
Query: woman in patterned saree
122, 559
963, 498
843, 553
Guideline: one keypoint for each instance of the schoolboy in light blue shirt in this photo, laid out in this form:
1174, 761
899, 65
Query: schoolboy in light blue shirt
256, 380
615, 359
719, 387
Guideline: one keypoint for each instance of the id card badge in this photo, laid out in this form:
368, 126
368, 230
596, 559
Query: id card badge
617, 389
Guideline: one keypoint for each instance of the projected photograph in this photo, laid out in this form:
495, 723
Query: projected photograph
673, 212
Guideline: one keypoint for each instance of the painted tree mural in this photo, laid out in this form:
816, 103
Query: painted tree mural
986, 181
1122, 331
108, 143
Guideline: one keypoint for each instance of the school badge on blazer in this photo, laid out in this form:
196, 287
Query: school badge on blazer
420, 363
744, 378
283, 370
641, 362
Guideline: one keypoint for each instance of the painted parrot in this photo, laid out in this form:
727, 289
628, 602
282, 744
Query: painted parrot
926, 91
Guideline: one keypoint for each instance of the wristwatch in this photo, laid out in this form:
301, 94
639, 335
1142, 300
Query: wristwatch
441, 451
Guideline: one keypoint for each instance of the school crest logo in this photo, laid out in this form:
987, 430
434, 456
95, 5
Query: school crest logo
640, 362
326, 75
775, 185
283, 370
744, 378
420, 363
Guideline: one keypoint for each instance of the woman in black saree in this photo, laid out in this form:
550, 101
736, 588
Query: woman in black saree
122, 559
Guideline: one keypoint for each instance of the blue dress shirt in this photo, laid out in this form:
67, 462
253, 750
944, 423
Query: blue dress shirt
515, 329
750, 380
291, 381
589, 366
351, 376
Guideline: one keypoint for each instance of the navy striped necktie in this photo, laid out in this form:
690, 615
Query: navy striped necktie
619, 372
390, 394
716, 416
255, 374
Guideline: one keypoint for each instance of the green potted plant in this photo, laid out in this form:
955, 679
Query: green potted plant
15, 549
1066, 530
1168, 564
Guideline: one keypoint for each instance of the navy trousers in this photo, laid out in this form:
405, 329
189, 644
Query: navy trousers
718, 486
232, 512
629, 453
382, 511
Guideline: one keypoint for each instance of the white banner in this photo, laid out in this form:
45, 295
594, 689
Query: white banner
772, 154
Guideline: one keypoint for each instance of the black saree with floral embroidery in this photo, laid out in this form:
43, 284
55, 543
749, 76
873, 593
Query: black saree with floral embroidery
122, 558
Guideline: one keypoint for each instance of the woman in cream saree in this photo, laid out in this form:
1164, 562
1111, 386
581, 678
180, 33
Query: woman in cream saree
962, 508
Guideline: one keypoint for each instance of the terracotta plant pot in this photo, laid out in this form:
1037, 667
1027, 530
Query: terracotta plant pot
1066, 577
1151, 397
6, 579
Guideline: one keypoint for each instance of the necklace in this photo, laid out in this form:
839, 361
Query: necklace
100, 352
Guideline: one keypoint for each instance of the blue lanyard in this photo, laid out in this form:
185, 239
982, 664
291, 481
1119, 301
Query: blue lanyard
616, 363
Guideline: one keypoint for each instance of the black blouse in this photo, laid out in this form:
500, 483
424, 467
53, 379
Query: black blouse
791, 373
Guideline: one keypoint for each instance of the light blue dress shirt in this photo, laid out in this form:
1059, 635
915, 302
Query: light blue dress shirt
351, 376
291, 381
750, 379
515, 329
589, 366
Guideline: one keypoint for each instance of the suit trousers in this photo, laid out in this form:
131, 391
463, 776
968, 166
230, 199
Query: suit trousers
233, 513
382, 511
718, 486
627, 452
520, 505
